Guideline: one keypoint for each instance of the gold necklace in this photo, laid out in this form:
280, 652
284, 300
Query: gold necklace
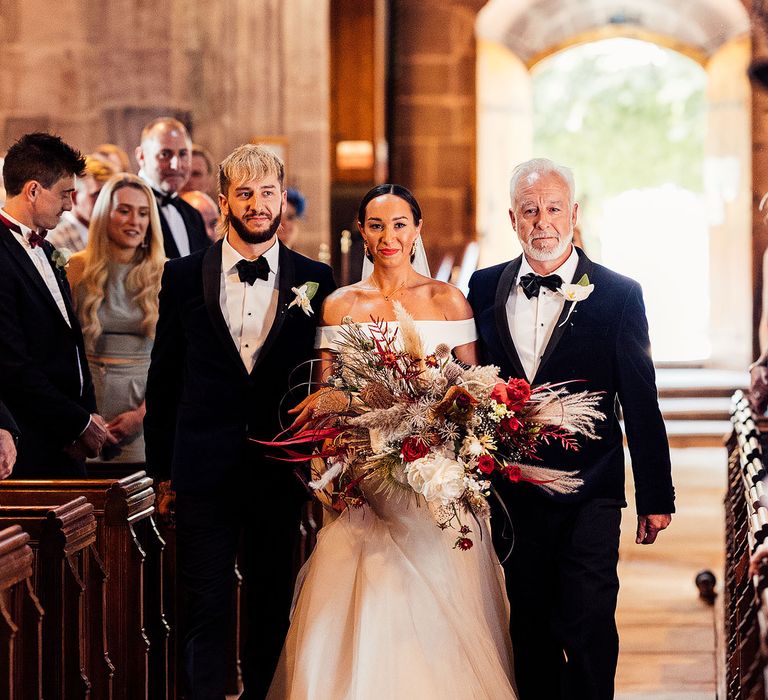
389, 296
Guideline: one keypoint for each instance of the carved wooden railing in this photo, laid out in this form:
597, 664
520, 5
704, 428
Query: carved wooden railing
745, 600
129, 550
69, 583
21, 620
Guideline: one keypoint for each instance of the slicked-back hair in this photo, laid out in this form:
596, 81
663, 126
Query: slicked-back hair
42, 157
399, 191
541, 166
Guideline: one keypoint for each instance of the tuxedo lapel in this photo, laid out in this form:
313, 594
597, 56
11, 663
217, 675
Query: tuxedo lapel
211, 294
171, 249
63, 282
503, 290
20, 256
584, 267
287, 278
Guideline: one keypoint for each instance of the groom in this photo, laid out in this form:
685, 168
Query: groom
561, 573
228, 338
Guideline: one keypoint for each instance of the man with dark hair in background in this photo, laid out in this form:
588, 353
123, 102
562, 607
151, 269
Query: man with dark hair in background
44, 377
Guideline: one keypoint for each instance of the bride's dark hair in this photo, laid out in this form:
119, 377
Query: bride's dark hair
399, 191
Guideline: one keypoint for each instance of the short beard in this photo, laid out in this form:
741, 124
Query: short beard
253, 238
548, 255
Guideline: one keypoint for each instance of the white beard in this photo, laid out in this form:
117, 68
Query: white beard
553, 253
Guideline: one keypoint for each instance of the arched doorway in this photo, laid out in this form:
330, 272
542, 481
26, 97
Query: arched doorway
511, 43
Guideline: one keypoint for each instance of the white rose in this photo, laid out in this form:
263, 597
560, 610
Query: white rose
419, 472
447, 482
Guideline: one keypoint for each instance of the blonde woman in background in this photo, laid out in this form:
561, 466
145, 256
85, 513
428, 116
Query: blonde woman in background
115, 285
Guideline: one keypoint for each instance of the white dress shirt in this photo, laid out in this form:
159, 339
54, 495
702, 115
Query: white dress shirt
249, 310
174, 219
532, 321
40, 261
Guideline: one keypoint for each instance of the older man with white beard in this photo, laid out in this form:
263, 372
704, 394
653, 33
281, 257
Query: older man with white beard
552, 316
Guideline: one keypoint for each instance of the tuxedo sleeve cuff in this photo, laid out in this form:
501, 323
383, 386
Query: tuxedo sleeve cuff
87, 425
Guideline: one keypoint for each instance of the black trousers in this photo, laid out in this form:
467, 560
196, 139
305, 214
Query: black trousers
562, 586
208, 532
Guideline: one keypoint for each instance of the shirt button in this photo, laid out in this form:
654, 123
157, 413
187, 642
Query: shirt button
246, 345
249, 313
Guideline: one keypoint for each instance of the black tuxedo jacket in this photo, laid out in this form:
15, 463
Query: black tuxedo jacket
605, 346
39, 377
202, 404
7, 422
193, 221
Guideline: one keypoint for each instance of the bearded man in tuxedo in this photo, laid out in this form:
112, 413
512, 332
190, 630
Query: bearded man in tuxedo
44, 377
561, 572
229, 336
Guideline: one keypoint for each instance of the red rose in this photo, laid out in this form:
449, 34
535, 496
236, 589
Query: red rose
463, 543
513, 394
510, 424
486, 464
413, 448
513, 473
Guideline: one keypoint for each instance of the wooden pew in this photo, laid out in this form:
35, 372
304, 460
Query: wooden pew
21, 620
62, 540
133, 650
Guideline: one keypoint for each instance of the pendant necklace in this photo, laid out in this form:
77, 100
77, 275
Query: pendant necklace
389, 296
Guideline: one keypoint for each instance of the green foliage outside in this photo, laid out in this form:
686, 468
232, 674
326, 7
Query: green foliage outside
623, 114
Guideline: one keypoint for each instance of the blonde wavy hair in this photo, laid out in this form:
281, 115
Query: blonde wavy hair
143, 280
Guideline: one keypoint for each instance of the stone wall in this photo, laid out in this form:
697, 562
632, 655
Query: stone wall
432, 116
233, 70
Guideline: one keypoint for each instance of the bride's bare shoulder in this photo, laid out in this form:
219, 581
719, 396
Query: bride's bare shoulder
449, 299
340, 304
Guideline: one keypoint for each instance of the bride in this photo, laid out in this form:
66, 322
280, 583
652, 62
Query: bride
386, 607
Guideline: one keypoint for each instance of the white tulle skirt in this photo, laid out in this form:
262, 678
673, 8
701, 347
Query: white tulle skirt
387, 609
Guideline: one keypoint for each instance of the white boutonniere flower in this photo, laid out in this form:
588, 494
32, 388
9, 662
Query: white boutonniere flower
304, 294
60, 257
576, 293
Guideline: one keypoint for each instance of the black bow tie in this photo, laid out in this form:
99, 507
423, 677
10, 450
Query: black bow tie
166, 198
251, 270
531, 283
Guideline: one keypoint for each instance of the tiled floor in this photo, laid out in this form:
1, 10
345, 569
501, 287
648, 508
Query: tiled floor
667, 633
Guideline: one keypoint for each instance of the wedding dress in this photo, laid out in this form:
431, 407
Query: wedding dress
387, 609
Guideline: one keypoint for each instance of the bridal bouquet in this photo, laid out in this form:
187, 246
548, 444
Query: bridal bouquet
404, 421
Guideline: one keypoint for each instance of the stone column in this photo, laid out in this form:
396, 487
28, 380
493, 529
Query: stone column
432, 116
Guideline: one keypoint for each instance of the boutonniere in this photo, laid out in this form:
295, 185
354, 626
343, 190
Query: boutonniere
304, 294
60, 258
576, 293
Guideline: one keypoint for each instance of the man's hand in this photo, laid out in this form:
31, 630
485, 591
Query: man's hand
89, 444
649, 526
758, 388
126, 424
7, 454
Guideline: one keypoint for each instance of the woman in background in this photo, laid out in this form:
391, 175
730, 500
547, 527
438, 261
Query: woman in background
115, 285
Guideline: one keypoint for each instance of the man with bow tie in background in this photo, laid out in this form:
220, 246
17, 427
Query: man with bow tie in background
550, 316
165, 159
229, 335
44, 377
